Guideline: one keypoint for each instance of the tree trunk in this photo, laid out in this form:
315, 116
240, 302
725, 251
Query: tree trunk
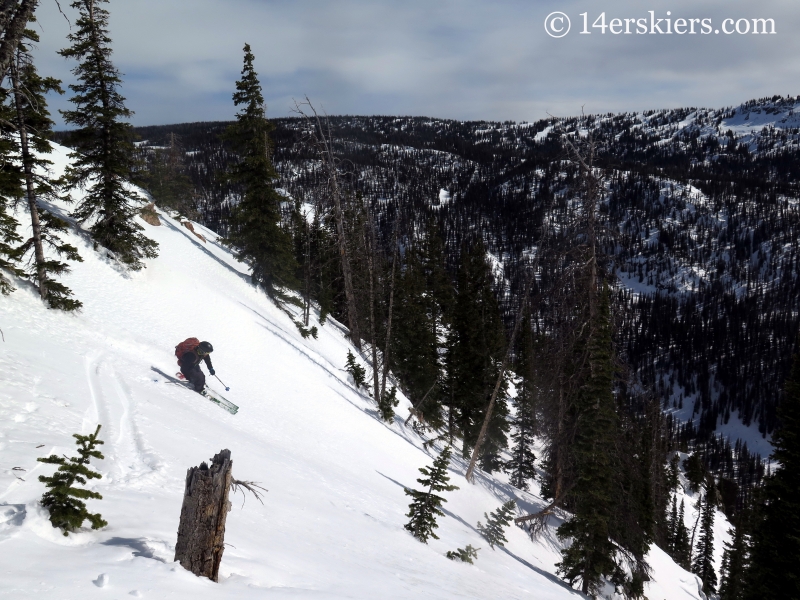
389, 318
13, 20
30, 191
201, 533
324, 145
369, 246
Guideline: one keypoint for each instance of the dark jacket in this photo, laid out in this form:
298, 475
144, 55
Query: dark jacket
191, 359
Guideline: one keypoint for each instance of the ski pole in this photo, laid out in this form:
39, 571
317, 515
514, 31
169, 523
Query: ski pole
227, 389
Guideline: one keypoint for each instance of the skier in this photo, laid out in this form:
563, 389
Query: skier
191, 353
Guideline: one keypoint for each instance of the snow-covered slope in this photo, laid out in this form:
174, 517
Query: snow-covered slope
331, 525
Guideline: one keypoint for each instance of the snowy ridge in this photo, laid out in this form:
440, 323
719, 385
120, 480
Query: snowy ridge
332, 522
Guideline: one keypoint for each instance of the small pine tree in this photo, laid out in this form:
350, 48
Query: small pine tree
703, 565
672, 527
521, 466
387, 404
426, 506
103, 156
463, 554
682, 550
672, 473
357, 372
496, 523
63, 500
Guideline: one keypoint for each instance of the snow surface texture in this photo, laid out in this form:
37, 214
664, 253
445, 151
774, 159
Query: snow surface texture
331, 525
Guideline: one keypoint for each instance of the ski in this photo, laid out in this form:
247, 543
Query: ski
210, 394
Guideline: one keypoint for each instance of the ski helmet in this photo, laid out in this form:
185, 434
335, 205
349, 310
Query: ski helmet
205, 348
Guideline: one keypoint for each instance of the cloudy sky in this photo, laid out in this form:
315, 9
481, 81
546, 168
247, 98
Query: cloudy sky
462, 59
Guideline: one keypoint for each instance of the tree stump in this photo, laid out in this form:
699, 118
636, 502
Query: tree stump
201, 532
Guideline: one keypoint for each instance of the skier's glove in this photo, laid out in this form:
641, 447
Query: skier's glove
212, 371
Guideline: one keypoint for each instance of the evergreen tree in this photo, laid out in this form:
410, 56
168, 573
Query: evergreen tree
356, 371
672, 527
673, 473
590, 556
63, 499
776, 531
255, 223
735, 558
33, 126
474, 351
703, 565
521, 467
103, 156
387, 404
415, 356
695, 472
682, 550
463, 554
496, 523
426, 505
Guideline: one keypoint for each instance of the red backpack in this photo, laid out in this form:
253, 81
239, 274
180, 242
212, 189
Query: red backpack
187, 345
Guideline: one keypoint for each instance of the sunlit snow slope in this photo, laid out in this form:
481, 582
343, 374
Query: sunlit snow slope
331, 525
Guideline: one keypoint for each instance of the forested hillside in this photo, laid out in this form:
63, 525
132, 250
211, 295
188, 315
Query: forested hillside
700, 207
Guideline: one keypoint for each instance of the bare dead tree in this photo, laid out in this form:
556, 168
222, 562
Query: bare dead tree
387, 348
321, 139
415, 409
538, 519
370, 246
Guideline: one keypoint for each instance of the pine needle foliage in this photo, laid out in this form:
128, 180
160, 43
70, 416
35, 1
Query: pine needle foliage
426, 505
64, 500
9, 238
677, 541
496, 523
522, 465
387, 404
682, 552
103, 156
357, 372
590, 556
735, 562
466, 555
776, 541
255, 223
703, 565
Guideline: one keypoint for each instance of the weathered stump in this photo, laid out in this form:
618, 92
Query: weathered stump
201, 532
